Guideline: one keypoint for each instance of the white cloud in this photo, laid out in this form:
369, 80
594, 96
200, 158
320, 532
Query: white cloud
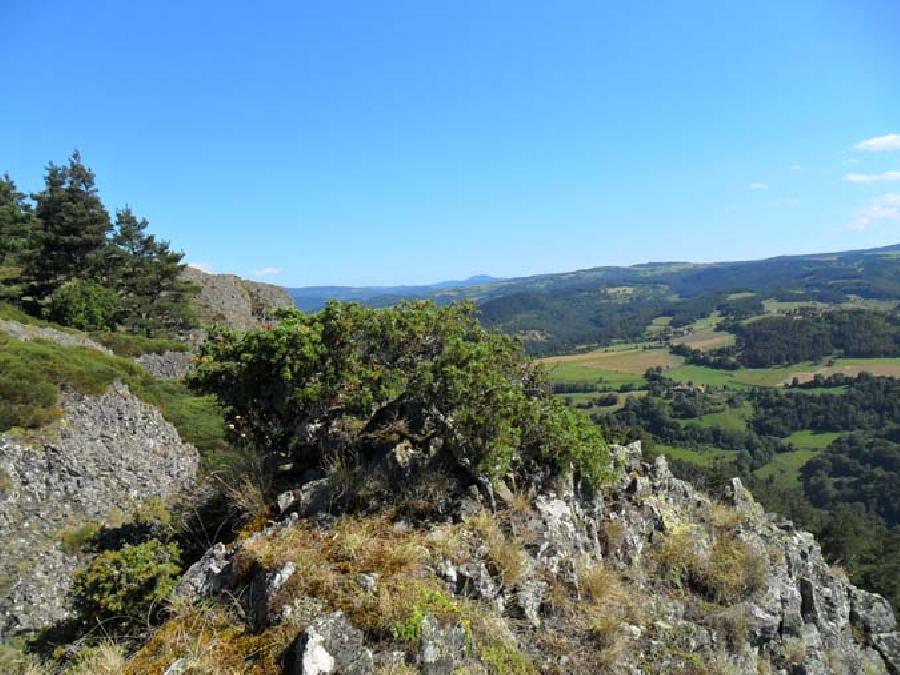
796, 167
203, 267
267, 272
852, 160
880, 143
885, 208
883, 177
758, 186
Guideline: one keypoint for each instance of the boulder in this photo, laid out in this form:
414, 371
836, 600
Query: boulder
331, 645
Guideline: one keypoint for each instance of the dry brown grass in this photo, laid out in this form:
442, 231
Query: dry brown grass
212, 642
105, 659
729, 572
505, 553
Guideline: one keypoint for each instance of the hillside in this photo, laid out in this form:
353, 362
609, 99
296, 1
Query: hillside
556, 312
387, 551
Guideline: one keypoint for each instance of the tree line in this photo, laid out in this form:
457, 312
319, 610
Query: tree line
784, 340
64, 258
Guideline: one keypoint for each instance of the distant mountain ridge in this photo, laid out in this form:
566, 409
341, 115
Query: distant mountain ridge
311, 298
686, 279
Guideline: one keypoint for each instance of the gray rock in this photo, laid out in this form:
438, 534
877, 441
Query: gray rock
331, 645
441, 649
107, 452
871, 612
313, 497
474, 580
227, 299
207, 577
529, 597
168, 365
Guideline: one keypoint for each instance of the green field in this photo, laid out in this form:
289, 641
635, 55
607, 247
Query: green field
733, 419
775, 377
811, 440
610, 366
785, 467
573, 372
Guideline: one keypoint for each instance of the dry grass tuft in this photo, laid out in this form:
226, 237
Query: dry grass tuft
730, 572
105, 659
505, 554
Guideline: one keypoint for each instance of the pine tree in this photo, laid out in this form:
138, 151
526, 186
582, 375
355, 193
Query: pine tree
147, 275
16, 226
72, 225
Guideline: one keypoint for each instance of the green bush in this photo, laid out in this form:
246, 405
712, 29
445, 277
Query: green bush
122, 589
85, 305
411, 372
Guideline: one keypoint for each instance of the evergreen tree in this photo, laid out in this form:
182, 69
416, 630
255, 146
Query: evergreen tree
147, 275
16, 221
72, 225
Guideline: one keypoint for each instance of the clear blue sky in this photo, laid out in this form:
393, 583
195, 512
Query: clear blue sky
404, 142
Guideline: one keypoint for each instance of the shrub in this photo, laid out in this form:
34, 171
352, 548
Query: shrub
372, 378
85, 305
123, 589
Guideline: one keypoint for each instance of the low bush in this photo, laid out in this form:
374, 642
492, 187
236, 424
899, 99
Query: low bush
86, 305
122, 590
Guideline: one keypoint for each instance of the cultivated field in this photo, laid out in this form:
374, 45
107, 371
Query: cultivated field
623, 366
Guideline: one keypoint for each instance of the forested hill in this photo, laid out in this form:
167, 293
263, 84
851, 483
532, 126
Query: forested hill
555, 312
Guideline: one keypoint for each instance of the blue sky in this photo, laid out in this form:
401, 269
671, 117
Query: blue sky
407, 141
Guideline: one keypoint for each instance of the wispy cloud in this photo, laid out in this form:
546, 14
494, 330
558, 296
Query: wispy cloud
885, 208
203, 267
759, 186
883, 177
880, 143
267, 272
796, 167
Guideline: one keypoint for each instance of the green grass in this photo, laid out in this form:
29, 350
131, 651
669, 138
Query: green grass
785, 467
121, 344
575, 372
733, 419
126, 344
812, 440
33, 372
703, 375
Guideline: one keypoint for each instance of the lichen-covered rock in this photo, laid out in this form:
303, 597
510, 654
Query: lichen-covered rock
108, 452
623, 582
206, 577
227, 299
331, 645
168, 365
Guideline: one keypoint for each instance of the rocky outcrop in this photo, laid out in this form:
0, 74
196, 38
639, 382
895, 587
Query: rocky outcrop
24, 331
227, 299
609, 584
106, 453
168, 365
